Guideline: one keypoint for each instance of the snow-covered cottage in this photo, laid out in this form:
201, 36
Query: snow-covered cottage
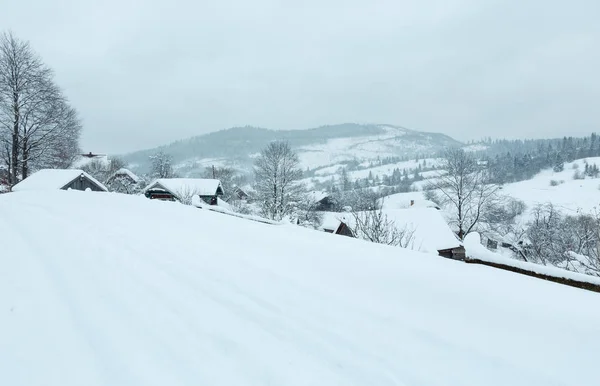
322, 200
239, 194
183, 189
337, 225
427, 229
125, 175
60, 179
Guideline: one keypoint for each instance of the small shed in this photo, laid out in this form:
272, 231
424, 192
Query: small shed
183, 189
60, 179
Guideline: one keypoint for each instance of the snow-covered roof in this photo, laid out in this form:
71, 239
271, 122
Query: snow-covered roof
125, 172
332, 220
316, 196
431, 232
200, 186
52, 179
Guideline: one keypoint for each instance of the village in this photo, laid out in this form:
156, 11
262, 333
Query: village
406, 220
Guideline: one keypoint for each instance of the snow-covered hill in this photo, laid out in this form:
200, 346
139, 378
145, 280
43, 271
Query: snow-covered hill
560, 188
106, 289
317, 148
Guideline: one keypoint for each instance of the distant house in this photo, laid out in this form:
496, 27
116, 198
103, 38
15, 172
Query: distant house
342, 229
60, 179
86, 159
183, 189
337, 224
430, 233
239, 194
123, 174
323, 201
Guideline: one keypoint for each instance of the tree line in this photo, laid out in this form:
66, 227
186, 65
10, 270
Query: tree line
38, 126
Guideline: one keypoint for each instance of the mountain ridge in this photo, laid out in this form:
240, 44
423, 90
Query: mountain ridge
332, 143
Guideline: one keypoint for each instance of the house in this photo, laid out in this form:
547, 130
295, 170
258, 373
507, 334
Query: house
341, 229
124, 175
83, 160
323, 201
429, 230
337, 223
60, 179
425, 229
239, 194
183, 189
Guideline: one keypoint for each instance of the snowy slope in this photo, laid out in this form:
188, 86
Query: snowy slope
104, 289
569, 196
391, 142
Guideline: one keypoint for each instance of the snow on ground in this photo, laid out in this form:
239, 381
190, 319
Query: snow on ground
386, 144
568, 196
107, 289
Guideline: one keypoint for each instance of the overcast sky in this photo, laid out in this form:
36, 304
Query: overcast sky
144, 73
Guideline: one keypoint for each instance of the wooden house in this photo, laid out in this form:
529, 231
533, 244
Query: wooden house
342, 229
426, 228
323, 201
337, 224
239, 194
60, 179
183, 189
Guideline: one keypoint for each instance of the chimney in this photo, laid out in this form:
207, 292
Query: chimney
412, 202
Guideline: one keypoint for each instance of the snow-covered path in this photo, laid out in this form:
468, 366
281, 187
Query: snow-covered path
104, 289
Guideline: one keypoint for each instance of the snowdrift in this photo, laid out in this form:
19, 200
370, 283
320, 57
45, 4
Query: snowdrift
107, 289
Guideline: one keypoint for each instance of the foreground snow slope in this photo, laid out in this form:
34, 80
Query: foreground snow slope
103, 289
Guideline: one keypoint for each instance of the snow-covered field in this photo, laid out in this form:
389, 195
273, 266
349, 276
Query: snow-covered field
389, 143
105, 289
569, 196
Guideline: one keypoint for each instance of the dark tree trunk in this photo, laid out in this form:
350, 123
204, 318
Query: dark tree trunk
25, 163
13, 177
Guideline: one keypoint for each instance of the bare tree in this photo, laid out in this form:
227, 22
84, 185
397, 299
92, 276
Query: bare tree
306, 211
162, 165
463, 187
375, 226
37, 126
224, 174
277, 171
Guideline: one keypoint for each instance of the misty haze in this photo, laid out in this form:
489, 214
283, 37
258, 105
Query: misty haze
313, 193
